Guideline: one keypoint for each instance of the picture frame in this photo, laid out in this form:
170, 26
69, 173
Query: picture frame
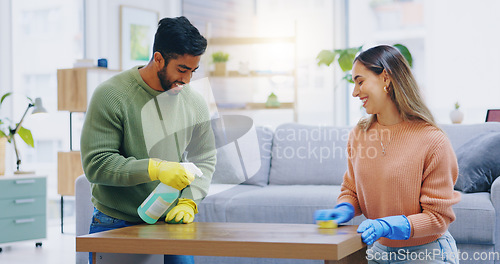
493, 115
137, 30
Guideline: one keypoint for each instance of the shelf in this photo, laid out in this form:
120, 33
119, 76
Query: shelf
269, 50
255, 106
74, 90
69, 167
247, 41
76, 85
236, 74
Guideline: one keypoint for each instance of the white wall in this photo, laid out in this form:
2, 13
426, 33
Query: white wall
462, 55
103, 27
5, 49
315, 32
455, 52
5, 64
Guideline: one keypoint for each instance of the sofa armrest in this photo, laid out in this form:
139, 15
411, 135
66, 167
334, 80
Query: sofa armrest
495, 200
495, 193
83, 204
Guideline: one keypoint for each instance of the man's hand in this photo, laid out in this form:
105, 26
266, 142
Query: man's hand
170, 173
183, 212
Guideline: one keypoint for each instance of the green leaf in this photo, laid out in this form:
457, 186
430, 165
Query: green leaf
345, 61
348, 78
3, 97
347, 57
26, 136
326, 57
405, 52
2, 134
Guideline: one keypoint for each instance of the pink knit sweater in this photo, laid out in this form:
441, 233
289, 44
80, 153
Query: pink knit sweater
415, 177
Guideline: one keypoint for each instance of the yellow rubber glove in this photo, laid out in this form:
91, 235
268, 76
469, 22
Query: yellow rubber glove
183, 212
170, 173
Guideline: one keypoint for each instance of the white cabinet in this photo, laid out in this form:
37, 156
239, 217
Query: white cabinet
23, 201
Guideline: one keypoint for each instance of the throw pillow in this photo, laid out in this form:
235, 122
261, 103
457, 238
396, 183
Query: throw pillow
478, 164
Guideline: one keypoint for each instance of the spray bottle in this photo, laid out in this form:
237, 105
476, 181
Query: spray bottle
162, 197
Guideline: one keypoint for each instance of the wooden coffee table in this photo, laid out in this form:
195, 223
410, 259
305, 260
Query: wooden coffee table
257, 240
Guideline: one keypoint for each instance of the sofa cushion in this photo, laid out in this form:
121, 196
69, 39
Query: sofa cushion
281, 204
308, 155
475, 222
243, 151
478, 163
459, 134
213, 207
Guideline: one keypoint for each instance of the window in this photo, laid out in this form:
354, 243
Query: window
272, 18
452, 47
46, 35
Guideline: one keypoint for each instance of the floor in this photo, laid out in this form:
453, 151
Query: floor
57, 248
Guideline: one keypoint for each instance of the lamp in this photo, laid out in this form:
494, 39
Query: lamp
38, 108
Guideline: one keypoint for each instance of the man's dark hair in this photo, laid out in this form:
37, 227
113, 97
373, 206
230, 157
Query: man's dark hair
177, 36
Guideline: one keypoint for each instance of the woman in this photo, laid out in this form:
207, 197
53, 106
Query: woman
401, 167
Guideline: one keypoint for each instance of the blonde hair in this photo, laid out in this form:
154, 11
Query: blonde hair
403, 88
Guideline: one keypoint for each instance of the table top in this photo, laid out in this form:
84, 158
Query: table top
266, 240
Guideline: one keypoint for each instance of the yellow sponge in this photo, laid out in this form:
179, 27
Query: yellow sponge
326, 223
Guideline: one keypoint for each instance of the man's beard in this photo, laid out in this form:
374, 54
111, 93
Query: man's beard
165, 83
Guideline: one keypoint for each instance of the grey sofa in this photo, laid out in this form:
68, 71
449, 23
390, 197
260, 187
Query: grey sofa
298, 169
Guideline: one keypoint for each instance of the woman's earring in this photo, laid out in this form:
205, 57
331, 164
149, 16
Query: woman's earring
385, 89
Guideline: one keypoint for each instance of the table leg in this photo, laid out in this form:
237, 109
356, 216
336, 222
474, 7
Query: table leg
358, 257
62, 214
94, 258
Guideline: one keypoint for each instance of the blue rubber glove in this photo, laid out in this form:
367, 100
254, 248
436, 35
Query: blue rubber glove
341, 213
393, 227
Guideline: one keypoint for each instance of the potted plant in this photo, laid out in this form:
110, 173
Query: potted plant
6, 134
219, 59
456, 115
345, 58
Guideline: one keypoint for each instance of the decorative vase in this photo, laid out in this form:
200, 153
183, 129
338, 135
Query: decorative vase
456, 116
220, 69
243, 69
3, 143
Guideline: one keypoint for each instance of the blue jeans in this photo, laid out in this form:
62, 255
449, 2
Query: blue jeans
442, 250
102, 222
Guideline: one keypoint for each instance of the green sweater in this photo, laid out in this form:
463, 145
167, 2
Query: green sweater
127, 122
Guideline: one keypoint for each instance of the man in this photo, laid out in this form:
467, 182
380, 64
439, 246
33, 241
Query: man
140, 125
